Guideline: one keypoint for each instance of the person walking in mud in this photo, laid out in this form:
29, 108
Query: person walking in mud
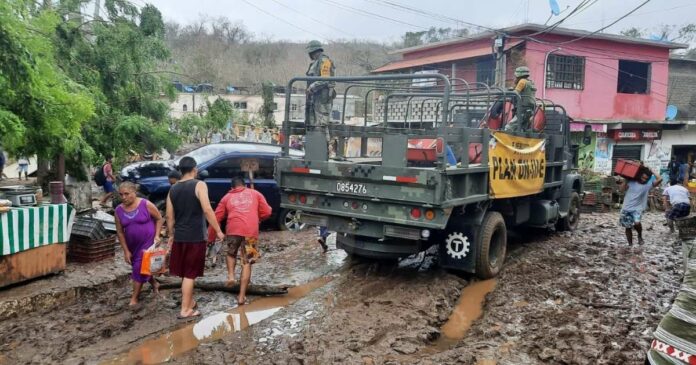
675, 200
188, 207
138, 222
635, 202
243, 210
108, 170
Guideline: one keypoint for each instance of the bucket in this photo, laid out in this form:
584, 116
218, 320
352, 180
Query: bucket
56, 189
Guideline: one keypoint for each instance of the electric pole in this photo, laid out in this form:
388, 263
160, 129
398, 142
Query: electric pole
500, 61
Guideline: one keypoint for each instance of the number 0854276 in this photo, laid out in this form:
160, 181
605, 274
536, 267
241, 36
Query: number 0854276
351, 188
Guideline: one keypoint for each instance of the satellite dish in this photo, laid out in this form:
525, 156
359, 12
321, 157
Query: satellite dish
671, 112
555, 9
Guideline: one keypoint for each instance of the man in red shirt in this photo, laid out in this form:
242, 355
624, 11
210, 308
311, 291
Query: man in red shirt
243, 209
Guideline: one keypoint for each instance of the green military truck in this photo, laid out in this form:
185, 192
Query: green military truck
432, 166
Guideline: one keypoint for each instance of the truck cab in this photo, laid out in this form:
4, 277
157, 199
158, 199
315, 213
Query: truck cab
432, 166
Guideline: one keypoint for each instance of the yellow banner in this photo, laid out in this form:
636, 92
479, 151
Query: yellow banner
517, 165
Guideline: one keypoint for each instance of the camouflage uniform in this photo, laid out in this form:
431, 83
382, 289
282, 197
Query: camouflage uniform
674, 340
525, 106
320, 94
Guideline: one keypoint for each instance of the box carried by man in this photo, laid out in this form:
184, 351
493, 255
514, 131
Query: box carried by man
631, 169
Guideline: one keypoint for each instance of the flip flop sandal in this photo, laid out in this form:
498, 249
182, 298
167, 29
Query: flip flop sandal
192, 315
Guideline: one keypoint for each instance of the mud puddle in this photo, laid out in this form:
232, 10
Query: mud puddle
214, 327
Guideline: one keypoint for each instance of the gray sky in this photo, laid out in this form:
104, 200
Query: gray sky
301, 20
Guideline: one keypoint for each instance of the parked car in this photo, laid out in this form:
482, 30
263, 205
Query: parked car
217, 163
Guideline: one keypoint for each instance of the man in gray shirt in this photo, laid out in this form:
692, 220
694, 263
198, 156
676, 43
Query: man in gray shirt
635, 202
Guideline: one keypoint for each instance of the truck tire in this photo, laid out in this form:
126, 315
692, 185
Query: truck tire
570, 221
491, 245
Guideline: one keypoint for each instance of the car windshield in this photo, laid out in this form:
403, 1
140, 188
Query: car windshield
205, 153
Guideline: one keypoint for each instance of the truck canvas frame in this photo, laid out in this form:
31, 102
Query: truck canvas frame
433, 183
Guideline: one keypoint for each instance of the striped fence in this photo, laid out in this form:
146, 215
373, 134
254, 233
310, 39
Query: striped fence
22, 229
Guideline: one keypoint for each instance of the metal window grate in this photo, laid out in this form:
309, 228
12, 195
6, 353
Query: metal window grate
565, 72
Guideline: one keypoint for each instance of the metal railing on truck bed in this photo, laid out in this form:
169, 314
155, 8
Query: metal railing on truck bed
381, 187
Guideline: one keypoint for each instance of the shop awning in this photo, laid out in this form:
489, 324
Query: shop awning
457, 55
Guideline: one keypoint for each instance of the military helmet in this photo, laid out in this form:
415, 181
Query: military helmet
522, 71
314, 46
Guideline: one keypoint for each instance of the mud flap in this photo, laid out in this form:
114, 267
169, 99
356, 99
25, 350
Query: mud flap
457, 249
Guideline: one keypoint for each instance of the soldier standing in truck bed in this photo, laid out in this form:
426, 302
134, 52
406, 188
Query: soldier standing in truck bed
525, 106
320, 94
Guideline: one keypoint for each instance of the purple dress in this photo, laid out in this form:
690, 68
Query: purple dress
139, 230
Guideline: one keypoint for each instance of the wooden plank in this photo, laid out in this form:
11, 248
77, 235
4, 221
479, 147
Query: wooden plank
32, 263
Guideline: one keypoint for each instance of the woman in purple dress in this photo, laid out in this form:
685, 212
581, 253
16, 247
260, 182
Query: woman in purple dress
138, 225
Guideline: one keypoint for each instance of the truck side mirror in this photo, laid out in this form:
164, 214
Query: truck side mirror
587, 135
203, 174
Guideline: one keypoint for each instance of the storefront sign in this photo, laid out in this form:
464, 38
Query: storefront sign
636, 134
580, 127
603, 151
517, 165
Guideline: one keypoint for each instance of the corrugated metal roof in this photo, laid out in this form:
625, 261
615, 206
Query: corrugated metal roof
538, 27
444, 57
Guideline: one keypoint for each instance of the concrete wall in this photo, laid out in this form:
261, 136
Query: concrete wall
254, 103
682, 87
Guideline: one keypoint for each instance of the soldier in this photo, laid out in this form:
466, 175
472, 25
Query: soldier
527, 102
320, 94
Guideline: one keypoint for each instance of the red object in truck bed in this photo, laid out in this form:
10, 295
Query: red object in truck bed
628, 168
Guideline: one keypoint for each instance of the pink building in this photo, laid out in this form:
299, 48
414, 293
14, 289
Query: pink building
596, 77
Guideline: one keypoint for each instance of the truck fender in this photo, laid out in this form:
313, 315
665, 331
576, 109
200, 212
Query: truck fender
571, 183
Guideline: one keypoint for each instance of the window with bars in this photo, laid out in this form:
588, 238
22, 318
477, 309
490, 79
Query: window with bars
565, 72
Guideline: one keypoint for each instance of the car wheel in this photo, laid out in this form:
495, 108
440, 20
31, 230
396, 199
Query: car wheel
289, 220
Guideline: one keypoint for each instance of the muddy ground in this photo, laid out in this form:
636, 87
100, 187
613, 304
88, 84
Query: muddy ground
580, 298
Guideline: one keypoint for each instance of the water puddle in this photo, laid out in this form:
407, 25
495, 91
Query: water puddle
213, 327
468, 309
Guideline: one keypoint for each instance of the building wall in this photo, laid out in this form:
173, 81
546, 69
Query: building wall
682, 91
599, 99
254, 103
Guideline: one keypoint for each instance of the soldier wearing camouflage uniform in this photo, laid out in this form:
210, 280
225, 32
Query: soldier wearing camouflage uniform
320, 94
525, 106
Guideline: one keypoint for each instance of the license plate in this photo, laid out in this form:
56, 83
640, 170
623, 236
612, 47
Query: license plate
351, 188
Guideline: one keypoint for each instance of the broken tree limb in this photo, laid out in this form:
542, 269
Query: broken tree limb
167, 283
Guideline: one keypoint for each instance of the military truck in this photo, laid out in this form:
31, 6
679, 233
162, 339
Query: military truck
446, 174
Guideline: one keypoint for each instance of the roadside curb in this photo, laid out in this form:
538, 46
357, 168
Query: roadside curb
48, 298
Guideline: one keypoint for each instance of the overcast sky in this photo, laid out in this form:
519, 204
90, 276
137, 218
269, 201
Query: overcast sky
301, 20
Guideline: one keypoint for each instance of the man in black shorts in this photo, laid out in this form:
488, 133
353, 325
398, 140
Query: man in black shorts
188, 207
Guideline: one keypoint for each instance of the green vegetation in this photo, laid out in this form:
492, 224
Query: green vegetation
82, 87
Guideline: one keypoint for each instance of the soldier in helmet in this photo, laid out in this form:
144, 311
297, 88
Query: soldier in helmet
525, 106
320, 94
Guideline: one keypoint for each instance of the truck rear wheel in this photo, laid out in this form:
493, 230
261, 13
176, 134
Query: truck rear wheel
492, 245
571, 220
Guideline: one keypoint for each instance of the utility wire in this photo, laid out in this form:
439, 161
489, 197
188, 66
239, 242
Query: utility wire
282, 20
591, 33
314, 19
370, 14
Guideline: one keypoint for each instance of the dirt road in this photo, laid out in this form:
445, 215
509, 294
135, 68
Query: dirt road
580, 298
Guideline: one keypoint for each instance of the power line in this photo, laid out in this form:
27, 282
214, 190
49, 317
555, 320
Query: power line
370, 14
281, 19
591, 33
639, 14
314, 19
